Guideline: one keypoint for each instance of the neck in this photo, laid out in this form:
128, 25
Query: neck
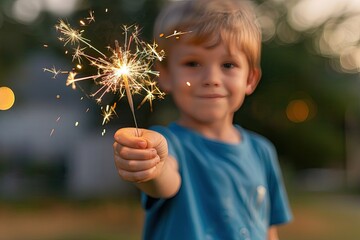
221, 132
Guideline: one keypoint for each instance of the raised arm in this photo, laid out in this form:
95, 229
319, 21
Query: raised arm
144, 160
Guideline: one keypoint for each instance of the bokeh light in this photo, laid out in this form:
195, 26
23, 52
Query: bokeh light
301, 109
28, 11
297, 111
333, 24
308, 14
7, 98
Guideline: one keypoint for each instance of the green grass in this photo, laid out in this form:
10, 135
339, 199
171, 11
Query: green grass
316, 216
323, 217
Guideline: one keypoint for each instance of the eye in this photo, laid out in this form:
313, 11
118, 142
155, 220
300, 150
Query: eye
192, 64
228, 65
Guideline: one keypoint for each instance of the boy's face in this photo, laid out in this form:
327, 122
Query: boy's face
208, 84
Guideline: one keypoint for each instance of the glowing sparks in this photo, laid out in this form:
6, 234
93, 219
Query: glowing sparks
108, 113
77, 54
54, 71
53, 130
124, 70
70, 35
175, 34
73, 36
91, 17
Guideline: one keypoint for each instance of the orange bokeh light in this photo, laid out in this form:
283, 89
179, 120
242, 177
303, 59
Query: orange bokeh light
7, 98
298, 111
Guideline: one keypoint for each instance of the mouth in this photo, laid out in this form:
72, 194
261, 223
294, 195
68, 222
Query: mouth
211, 96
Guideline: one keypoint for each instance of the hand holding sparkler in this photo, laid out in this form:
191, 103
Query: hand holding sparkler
144, 160
139, 158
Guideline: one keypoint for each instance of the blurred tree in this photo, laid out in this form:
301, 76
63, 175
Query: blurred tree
305, 90
302, 99
316, 137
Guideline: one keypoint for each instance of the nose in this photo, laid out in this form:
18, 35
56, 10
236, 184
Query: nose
211, 76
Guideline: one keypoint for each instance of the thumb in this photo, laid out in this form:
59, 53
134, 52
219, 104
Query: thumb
131, 137
157, 141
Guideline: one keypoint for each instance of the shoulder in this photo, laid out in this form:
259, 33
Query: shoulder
262, 148
258, 142
160, 129
167, 131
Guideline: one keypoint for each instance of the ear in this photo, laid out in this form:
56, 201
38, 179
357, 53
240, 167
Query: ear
253, 80
164, 80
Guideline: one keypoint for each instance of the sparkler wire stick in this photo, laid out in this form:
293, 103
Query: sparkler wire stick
127, 87
131, 103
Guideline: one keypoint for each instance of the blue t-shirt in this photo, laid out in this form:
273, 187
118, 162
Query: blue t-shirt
228, 191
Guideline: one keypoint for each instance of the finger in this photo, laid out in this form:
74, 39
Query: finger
137, 166
140, 176
128, 137
134, 153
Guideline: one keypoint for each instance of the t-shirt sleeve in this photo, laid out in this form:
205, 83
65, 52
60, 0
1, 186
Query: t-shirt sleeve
280, 211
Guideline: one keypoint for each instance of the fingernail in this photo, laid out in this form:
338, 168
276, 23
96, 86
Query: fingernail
142, 144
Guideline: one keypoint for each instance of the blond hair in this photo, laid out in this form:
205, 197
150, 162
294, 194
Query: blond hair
210, 22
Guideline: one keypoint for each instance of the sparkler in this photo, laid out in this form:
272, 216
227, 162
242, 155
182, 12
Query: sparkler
125, 69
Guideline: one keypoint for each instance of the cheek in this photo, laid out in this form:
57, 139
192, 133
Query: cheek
237, 93
238, 103
236, 87
181, 92
181, 83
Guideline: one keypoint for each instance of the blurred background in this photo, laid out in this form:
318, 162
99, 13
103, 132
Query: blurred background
57, 177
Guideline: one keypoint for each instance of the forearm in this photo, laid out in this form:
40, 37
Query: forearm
166, 184
273, 234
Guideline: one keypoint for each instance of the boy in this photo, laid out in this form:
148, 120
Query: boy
204, 177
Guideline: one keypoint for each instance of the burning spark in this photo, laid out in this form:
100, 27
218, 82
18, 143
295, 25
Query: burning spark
78, 53
176, 34
91, 17
71, 80
108, 113
73, 36
125, 70
54, 71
